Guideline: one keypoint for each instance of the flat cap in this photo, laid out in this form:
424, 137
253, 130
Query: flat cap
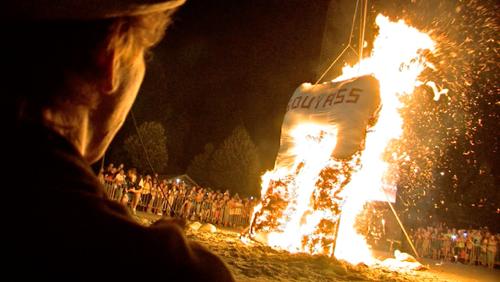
81, 9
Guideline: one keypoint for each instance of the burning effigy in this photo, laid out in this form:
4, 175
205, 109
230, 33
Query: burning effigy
333, 142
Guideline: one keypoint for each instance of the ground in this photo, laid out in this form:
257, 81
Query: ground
256, 262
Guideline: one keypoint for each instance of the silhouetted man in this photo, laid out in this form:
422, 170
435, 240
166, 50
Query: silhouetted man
73, 70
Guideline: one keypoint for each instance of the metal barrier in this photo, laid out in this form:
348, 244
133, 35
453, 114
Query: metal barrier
159, 203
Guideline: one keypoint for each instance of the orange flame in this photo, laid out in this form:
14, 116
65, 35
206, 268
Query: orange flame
302, 201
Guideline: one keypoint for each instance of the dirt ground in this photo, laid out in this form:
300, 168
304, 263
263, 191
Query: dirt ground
255, 262
460, 272
448, 271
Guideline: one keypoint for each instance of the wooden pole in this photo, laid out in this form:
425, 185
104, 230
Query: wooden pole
403, 228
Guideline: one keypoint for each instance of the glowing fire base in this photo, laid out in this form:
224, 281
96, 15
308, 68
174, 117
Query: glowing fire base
302, 213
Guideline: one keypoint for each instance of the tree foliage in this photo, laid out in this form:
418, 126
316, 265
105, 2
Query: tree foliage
152, 134
177, 126
234, 165
198, 169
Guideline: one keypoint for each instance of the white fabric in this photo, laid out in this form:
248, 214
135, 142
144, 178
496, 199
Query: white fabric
348, 105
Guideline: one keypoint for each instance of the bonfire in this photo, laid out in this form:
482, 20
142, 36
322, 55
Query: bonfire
333, 142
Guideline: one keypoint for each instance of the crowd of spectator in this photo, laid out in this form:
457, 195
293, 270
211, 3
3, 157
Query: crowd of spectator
173, 197
468, 246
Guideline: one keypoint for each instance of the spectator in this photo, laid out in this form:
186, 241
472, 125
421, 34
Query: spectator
133, 190
74, 70
476, 251
118, 186
484, 250
491, 251
146, 192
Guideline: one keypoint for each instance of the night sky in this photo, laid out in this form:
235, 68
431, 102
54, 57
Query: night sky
224, 63
227, 63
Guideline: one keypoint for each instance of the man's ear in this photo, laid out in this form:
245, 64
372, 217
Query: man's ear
108, 69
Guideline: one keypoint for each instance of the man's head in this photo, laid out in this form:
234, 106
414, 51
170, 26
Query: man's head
132, 172
79, 72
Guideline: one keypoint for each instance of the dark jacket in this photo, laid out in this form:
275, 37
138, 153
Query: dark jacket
62, 225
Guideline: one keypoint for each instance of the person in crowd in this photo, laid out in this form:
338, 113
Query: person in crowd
484, 250
426, 242
118, 185
146, 192
172, 195
436, 244
74, 70
134, 190
100, 176
446, 243
198, 199
110, 169
460, 246
160, 194
491, 250
476, 251
225, 208
469, 247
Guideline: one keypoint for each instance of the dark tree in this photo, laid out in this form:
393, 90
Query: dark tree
152, 136
235, 164
198, 168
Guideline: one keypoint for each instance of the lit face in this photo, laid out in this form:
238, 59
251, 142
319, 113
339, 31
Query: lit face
112, 111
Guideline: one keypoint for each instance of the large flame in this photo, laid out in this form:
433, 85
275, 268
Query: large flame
301, 203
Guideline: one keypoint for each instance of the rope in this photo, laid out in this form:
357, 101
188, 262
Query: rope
360, 37
102, 161
353, 21
144, 149
403, 228
354, 51
362, 22
346, 48
362, 33
331, 65
399, 221
141, 141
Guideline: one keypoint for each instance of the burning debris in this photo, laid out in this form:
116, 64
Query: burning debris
402, 262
